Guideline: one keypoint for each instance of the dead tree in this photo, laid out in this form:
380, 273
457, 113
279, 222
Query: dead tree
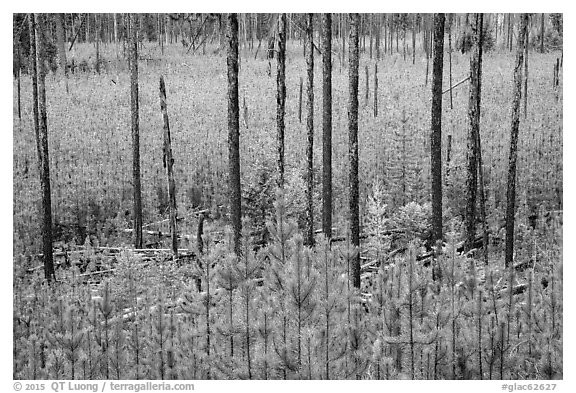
327, 125
310, 127
436, 128
281, 96
234, 133
137, 213
168, 165
473, 130
353, 146
517, 94
36, 28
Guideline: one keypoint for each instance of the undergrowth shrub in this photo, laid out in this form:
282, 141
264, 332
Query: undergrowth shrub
289, 311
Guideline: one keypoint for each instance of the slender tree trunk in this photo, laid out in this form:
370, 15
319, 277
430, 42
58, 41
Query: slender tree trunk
378, 29
371, 29
281, 96
353, 146
137, 214
234, 132
414, 39
115, 28
542, 31
168, 164
376, 89
327, 125
87, 31
343, 36
479, 146
367, 92
300, 96
473, 130
310, 126
526, 74
34, 73
448, 159
18, 75
436, 139
450, 21
43, 149
517, 94
97, 38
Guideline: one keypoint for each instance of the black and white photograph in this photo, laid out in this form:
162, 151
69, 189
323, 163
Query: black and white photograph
286, 196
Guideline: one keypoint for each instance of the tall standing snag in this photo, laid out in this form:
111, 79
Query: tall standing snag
44, 162
310, 127
281, 96
234, 132
473, 131
168, 164
327, 125
32, 25
517, 95
353, 146
137, 219
436, 128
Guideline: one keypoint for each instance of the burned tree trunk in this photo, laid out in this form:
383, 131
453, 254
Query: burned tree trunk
436, 134
473, 130
517, 94
281, 96
327, 125
36, 26
137, 213
353, 146
310, 127
168, 164
234, 132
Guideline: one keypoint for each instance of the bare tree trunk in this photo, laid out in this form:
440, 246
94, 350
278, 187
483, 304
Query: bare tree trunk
353, 146
281, 96
378, 29
234, 133
526, 74
168, 164
327, 125
473, 130
97, 22
376, 89
448, 158
18, 74
300, 101
343, 36
87, 30
371, 28
367, 92
479, 146
414, 39
44, 160
450, 21
310, 126
436, 139
115, 29
137, 213
542, 33
517, 94
34, 73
